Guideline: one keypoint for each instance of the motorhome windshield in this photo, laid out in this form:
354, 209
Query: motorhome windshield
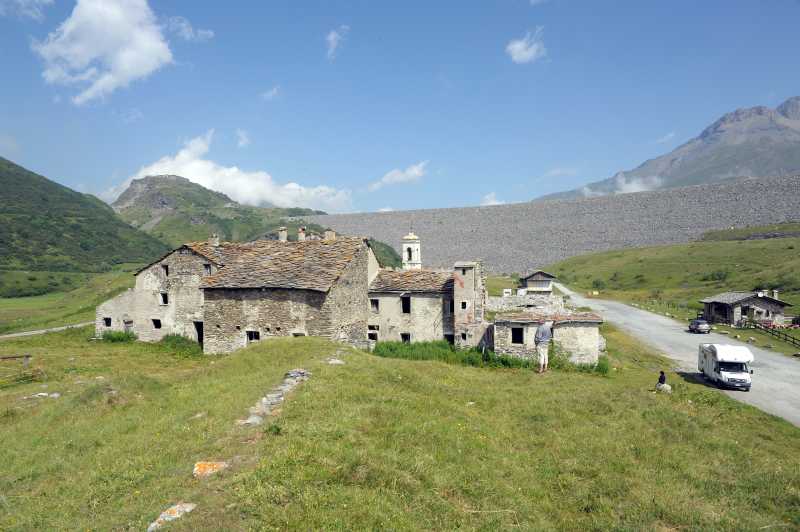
733, 367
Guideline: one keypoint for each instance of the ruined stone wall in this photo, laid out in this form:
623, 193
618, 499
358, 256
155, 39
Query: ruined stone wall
272, 312
469, 286
502, 340
142, 304
580, 340
347, 306
550, 304
429, 320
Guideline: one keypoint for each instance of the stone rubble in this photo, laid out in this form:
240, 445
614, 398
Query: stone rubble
267, 404
170, 514
206, 469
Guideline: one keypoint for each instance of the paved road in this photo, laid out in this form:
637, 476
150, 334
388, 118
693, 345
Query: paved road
776, 379
43, 331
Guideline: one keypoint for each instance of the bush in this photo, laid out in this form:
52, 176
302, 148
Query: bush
442, 351
716, 275
603, 365
181, 345
119, 336
598, 284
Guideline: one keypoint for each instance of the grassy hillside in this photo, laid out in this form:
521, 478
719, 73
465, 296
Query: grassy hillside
381, 443
48, 227
684, 273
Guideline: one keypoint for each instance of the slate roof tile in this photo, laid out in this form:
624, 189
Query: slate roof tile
412, 281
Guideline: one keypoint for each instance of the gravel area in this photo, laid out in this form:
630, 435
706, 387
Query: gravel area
521, 236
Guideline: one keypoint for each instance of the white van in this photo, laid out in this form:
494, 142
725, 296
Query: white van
726, 365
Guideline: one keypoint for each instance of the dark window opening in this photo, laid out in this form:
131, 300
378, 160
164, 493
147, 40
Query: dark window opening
165, 268
298, 334
207, 269
406, 302
107, 322
451, 339
463, 271
267, 329
464, 336
373, 327
278, 329
156, 324
238, 327
452, 306
517, 335
198, 330
372, 336
164, 298
253, 336
464, 305
374, 305
408, 253
405, 338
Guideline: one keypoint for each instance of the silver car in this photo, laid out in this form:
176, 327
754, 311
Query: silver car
699, 327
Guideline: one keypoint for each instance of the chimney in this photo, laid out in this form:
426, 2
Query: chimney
214, 240
775, 294
283, 234
301, 234
330, 234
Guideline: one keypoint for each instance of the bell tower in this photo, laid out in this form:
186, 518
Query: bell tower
412, 255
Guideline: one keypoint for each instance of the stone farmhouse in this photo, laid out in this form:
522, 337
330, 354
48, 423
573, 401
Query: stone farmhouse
226, 295
735, 307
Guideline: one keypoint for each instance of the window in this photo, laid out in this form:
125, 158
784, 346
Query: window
165, 269
408, 253
452, 306
107, 322
405, 338
372, 336
451, 339
464, 336
463, 271
374, 305
373, 327
517, 335
207, 269
164, 298
406, 303
298, 334
253, 336
463, 305
156, 324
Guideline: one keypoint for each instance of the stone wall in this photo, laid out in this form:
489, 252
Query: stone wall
429, 320
581, 341
550, 304
516, 237
469, 290
142, 304
271, 312
347, 305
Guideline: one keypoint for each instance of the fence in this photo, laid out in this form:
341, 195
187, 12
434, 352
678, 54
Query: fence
16, 369
747, 324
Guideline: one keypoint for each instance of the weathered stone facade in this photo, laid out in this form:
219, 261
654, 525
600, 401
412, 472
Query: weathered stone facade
577, 334
429, 317
735, 307
546, 303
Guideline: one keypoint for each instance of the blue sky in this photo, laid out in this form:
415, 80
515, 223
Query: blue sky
364, 105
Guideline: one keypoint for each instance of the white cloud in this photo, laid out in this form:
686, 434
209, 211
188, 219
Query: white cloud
8, 145
635, 184
242, 138
666, 138
528, 49
25, 8
334, 39
184, 29
385, 209
491, 199
271, 94
104, 45
412, 174
252, 188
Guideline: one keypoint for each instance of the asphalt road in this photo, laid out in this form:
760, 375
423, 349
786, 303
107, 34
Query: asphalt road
776, 377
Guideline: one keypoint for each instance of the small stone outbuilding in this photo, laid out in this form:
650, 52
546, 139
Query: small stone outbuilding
735, 307
577, 333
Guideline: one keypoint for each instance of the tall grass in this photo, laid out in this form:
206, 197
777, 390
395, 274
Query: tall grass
444, 352
118, 336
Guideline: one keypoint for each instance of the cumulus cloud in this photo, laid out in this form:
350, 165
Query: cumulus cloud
181, 27
252, 188
104, 45
666, 138
271, 94
412, 174
242, 138
25, 8
635, 184
334, 40
385, 209
491, 199
528, 49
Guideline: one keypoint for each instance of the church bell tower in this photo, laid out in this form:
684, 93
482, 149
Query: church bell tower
412, 256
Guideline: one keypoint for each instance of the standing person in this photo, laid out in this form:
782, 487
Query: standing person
544, 333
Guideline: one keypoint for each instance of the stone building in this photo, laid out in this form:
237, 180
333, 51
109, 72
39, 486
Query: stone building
735, 307
577, 333
226, 295
538, 282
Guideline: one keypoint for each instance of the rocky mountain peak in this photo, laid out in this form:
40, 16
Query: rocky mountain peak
790, 108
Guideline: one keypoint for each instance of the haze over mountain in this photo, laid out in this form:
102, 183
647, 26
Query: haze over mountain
752, 142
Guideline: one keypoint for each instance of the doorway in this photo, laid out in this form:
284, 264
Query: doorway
198, 329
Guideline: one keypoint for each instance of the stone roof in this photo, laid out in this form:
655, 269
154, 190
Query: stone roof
541, 317
309, 265
542, 272
413, 281
731, 298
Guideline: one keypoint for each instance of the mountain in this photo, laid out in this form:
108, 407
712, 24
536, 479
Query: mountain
45, 226
754, 142
176, 210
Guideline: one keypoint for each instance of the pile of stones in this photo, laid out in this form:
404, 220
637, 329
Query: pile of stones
270, 401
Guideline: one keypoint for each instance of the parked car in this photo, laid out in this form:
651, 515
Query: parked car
699, 327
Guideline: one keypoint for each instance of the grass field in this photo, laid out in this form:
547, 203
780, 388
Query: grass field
381, 443
63, 308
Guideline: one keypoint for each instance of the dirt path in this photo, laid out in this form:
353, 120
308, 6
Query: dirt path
44, 331
776, 379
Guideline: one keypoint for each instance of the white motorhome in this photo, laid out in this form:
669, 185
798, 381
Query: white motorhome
726, 365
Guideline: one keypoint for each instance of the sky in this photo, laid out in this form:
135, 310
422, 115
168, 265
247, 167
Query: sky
350, 106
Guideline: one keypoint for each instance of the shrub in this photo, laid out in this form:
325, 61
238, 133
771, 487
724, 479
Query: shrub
716, 275
119, 336
598, 284
181, 345
444, 352
603, 365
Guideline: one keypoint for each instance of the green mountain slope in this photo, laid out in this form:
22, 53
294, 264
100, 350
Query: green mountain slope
45, 226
